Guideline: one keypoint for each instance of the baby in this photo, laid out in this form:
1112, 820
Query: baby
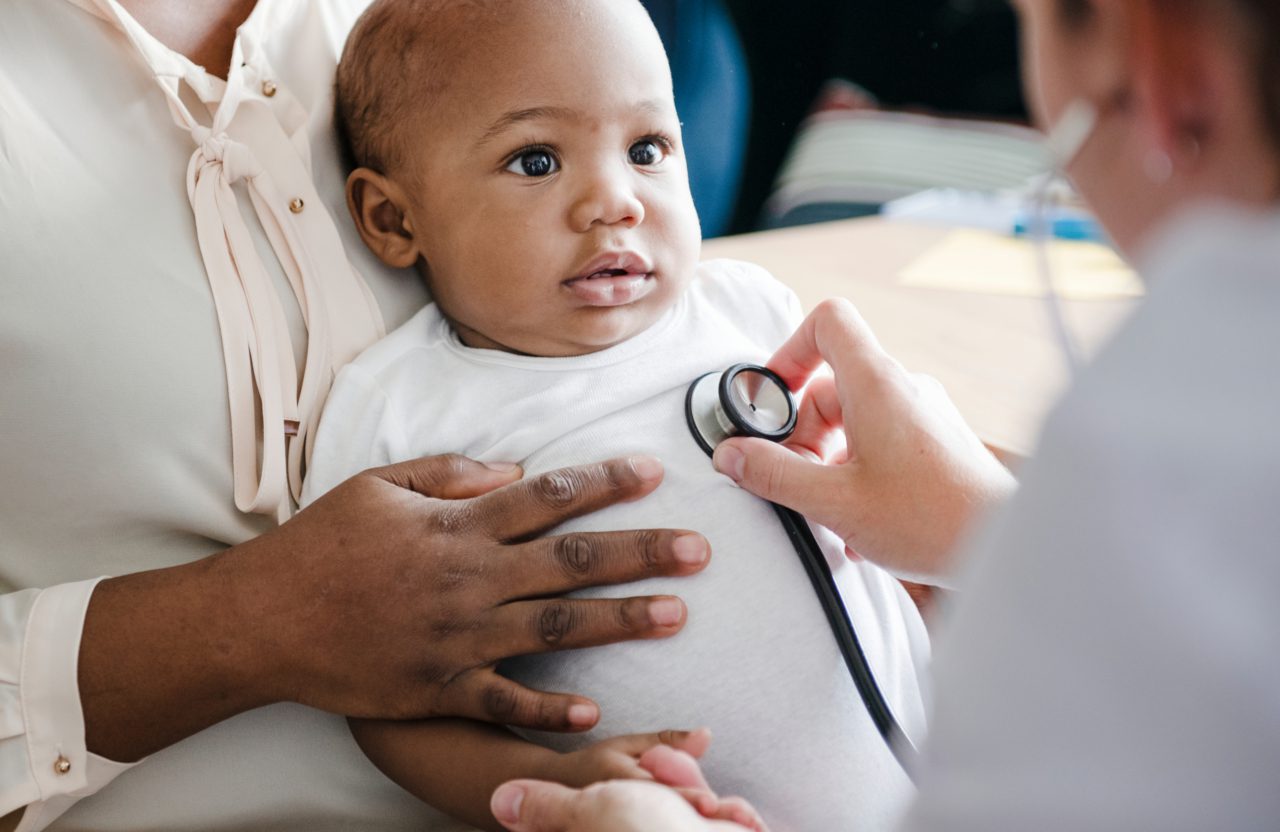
525, 157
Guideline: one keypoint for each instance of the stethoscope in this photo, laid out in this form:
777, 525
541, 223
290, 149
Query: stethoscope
750, 400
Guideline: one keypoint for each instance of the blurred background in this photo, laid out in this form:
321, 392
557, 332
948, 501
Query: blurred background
909, 95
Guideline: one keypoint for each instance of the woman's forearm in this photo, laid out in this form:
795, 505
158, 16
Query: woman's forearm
166, 654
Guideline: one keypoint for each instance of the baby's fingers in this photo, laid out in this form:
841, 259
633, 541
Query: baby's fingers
675, 767
694, 743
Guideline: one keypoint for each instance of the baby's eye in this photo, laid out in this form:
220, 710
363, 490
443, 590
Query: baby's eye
646, 152
534, 163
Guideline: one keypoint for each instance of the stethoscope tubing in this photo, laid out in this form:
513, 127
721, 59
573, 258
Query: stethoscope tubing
824, 586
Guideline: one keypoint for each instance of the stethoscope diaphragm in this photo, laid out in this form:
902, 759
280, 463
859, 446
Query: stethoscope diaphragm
744, 400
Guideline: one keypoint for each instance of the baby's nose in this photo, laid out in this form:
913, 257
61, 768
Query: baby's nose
607, 200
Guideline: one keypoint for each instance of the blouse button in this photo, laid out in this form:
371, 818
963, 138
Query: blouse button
296, 205
61, 765
268, 88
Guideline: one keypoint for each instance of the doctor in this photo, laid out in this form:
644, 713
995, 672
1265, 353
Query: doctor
1111, 660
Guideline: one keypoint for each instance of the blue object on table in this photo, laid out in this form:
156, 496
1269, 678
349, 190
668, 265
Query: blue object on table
1004, 212
713, 98
1067, 227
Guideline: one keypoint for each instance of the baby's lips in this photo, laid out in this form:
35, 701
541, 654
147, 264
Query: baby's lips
617, 290
625, 261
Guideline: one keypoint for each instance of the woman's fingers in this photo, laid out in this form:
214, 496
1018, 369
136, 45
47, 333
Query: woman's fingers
447, 585
539, 503
559, 564
523, 628
485, 696
449, 476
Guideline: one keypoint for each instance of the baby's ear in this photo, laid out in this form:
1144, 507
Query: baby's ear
380, 211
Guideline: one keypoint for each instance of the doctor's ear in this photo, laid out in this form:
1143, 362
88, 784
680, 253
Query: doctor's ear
1176, 74
380, 210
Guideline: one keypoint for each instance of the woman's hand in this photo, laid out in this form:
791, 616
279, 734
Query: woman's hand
879, 456
679, 801
393, 596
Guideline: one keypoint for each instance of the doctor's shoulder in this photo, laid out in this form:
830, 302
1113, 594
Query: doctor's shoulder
750, 294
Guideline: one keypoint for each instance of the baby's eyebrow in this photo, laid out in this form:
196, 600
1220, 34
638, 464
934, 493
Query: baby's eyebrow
652, 107
509, 120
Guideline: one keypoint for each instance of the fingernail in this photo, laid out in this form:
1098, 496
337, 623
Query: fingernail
666, 612
730, 461
690, 549
583, 715
505, 803
646, 467
501, 467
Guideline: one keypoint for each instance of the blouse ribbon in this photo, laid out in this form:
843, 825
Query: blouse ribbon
273, 420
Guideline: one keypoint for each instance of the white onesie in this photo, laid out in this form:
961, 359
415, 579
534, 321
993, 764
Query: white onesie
756, 662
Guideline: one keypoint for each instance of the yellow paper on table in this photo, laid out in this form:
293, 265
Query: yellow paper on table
985, 262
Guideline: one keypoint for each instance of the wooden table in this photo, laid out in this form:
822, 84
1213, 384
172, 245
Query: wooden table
996, 355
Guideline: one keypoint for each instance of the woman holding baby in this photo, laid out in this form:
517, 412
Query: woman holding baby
231, 638
177, 251
1109, 663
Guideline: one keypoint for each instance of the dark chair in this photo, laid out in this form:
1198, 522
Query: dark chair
713, 98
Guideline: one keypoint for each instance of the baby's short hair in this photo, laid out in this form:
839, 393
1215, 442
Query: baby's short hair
395, 62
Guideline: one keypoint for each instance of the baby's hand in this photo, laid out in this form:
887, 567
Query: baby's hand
613, 803
619, 758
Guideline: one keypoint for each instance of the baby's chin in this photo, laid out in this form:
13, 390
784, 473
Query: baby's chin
598, 329
579, 332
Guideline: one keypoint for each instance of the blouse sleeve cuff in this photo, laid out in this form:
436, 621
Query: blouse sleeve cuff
61, 769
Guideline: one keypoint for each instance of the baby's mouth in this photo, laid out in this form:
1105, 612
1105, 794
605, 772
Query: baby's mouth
611, 287
613, 279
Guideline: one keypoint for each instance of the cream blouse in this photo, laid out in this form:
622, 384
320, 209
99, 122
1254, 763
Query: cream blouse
180, 281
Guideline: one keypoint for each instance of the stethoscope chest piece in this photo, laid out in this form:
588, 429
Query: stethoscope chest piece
744, 400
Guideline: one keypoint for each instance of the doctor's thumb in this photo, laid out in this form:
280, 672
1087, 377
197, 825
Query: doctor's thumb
782, 476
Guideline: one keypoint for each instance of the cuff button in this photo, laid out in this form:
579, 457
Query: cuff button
61, 765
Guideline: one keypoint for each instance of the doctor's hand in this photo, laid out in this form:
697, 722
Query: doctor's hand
677, 800
880, 456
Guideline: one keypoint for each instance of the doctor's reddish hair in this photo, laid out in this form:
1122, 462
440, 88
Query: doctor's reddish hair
1256, 25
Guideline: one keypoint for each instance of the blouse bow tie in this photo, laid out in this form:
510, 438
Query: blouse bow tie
273, 417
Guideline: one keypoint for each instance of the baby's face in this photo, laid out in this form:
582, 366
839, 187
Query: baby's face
552, 206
